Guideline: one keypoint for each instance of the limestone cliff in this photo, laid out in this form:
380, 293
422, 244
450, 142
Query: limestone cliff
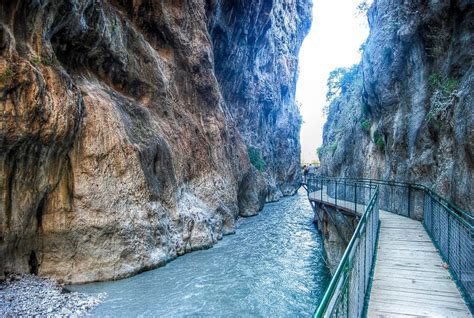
257, 69
408, 113
125, 127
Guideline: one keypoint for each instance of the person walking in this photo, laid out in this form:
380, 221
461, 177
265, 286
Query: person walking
305, 173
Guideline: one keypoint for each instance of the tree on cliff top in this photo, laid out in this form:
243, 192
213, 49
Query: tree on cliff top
339, 81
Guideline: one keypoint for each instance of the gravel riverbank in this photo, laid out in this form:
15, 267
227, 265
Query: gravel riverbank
28, 295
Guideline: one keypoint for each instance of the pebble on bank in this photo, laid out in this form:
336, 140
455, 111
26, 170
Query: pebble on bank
29, 295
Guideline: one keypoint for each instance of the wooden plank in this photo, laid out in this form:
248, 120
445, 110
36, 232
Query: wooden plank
433, 306
419, 286
418, 293
402, 309
420, 269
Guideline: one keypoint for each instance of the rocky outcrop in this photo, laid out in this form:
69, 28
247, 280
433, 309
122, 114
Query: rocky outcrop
407, 114
125, 128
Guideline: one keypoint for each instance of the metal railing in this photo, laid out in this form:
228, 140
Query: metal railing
450, 228
345, 295
453, 235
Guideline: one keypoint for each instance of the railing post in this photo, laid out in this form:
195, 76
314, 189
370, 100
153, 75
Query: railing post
409, 202
449, 234
370, 189
439, 227
355, 197
365, 254
459, 253
392, 205
322, 190
345, 189
347, 300
431, 213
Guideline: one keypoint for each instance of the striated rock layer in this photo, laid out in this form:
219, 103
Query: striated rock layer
125, 125
408, 113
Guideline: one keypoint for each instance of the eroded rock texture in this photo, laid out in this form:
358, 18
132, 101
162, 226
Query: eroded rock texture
408, 114
125, 125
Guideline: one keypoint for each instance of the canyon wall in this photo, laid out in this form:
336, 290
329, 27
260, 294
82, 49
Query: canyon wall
407, 114
336, 228
125, 128
256, 46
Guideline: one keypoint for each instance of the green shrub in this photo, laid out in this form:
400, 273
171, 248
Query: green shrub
114, 26
445, 85
7, 74
50, 61
443, 96
47, 61
434, 80
35, 60
379, 141
256, 159
363, 7
450, 85
366, 123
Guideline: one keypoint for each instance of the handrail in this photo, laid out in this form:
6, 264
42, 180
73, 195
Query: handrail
344, 263
453, 208
340, 277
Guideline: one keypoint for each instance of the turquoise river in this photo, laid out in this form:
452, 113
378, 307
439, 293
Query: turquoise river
273, 266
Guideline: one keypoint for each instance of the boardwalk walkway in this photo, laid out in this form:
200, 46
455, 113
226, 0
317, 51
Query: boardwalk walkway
409, 277
321, 196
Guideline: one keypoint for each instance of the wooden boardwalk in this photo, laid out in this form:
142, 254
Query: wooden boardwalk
409, 277
321, 196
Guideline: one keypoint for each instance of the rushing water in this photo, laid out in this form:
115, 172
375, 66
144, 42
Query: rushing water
272, 266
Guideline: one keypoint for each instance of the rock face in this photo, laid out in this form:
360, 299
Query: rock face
408, 114
336, 229
257, 69
125, 128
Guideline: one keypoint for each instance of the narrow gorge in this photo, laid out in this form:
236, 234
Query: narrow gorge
137, 136
126, 128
